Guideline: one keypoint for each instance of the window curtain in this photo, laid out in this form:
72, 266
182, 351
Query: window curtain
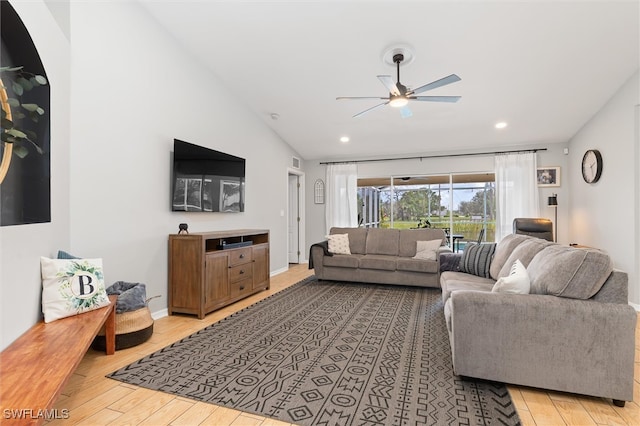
516, 190
342, 196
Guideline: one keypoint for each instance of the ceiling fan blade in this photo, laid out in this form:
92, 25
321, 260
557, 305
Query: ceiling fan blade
370, 109
341, 98
387, 80
435, 98
434, 84
405, 112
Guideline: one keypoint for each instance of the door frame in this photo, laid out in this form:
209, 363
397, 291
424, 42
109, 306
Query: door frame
302, 258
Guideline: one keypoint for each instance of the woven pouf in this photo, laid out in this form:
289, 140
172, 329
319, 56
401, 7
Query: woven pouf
132, 328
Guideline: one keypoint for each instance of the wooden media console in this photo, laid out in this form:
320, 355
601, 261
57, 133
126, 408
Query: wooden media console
210, 270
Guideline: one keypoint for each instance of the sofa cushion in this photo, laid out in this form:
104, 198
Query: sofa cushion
503, 250
569, 272
524, 252
409, 237
417, 265
516, 282
427, 250
357, 238
382, 241
452, 281
339, 244
342, 260
376, 261
476, 259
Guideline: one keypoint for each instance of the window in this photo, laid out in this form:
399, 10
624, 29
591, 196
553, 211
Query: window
462, 204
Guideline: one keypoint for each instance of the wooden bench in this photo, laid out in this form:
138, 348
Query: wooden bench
36, 367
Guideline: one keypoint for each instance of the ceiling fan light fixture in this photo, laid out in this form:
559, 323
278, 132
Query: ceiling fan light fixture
399, 94
398, 101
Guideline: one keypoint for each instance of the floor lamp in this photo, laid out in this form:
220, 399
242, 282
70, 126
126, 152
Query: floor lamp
553, 202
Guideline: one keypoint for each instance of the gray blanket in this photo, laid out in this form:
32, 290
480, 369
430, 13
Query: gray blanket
450, 261
325, 247
131, 296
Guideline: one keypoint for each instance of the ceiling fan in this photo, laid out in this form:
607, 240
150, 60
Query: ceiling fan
399, 95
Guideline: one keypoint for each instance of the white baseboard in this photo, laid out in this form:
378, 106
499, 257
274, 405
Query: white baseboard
636, 307
279, 271
160, 314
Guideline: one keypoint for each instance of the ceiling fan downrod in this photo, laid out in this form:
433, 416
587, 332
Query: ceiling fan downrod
397, 58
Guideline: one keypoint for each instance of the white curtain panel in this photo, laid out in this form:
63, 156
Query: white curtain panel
516, 190
342, 196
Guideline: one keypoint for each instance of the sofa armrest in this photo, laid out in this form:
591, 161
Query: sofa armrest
316, 260
444, 249
579, 346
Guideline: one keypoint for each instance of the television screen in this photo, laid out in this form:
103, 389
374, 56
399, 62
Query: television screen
205, 180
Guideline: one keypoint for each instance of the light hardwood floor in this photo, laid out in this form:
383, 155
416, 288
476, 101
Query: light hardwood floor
93, 399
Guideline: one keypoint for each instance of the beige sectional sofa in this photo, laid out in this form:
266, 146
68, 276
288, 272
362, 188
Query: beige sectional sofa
575, 332
383, 256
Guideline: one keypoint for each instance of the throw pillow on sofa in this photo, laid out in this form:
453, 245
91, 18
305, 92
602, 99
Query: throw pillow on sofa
427, 250
339, 243
476, 259
516, 282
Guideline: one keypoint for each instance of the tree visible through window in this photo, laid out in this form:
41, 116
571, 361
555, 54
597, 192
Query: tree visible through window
462, 204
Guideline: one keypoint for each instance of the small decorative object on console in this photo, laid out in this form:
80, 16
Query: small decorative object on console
183, 228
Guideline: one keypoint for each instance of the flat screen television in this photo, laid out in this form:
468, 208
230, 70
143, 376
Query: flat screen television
205, 180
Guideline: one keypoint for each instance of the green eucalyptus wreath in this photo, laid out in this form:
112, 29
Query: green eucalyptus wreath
21, 81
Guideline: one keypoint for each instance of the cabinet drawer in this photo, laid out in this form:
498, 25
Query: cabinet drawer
241, 272
240, 256
240, 287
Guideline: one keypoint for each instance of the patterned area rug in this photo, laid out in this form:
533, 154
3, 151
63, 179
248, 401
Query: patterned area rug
326, 353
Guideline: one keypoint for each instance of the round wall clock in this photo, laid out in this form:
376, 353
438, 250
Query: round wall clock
592, 166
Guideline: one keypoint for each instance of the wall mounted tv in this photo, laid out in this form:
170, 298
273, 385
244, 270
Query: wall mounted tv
205, 180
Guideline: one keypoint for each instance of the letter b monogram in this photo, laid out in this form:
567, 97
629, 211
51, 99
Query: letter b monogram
83, 285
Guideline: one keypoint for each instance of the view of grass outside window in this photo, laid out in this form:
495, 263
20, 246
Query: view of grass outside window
462, 204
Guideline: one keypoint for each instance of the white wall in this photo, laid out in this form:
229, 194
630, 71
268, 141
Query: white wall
21, 246
605, 214
133, 90
553, 156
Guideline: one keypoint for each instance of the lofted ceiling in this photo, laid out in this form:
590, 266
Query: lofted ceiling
544, 67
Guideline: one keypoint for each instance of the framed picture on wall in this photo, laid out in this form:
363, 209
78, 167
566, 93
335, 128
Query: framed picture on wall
548, 176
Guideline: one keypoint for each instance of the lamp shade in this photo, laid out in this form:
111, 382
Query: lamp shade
553, 200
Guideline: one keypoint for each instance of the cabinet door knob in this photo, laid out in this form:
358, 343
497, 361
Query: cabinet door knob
241, 271
241, 287
242, 256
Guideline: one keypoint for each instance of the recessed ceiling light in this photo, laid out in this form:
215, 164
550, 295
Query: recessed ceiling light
501, 125
344, 139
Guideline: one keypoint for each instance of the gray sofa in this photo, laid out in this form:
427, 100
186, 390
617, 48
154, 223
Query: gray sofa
575, 332
382, 256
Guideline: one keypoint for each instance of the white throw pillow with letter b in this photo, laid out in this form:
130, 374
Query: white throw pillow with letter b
71, 287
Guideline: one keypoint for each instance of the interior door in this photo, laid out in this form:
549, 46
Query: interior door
294, 219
